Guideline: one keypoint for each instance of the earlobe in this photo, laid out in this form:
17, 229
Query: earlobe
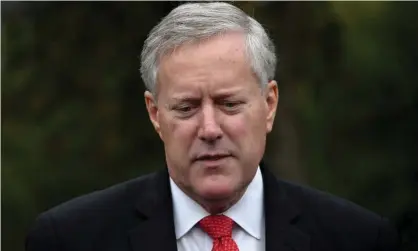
152, 109
272, 99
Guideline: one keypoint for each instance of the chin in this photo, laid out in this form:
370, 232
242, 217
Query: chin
216, 190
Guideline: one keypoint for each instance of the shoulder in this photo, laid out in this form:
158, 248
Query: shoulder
340, 220
324, 203
87, 218
112, 198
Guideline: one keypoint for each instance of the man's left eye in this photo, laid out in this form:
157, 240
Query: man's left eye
230, 104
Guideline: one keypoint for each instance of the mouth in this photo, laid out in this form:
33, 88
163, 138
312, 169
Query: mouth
212, 157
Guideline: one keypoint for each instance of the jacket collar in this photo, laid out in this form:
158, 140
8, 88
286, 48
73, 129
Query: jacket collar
282, 212
154, 207
156, 230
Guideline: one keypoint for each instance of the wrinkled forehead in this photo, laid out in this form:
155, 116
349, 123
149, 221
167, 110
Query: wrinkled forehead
221, 80
224, 54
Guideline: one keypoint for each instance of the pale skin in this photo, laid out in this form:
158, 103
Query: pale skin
213, 118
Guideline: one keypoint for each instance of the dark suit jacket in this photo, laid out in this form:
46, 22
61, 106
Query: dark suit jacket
138, 216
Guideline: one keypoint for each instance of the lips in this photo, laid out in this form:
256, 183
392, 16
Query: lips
212, 157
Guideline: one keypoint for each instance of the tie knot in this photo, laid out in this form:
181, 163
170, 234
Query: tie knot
217, 226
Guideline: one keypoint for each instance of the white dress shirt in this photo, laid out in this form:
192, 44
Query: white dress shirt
247, 213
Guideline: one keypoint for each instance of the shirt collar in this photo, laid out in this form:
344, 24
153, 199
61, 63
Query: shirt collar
248, 212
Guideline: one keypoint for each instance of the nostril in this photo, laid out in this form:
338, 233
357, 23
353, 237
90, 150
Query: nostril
210, 138
210, 133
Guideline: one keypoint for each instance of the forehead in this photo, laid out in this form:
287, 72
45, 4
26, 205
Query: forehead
221, 59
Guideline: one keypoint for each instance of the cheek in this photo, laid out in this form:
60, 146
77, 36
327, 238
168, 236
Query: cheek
247, 125
177, 133
247, 131
236, 127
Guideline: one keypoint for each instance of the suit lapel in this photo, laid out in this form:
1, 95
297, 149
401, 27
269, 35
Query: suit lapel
154, 206
156, 230
282, 214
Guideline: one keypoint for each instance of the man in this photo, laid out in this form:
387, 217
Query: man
208, 69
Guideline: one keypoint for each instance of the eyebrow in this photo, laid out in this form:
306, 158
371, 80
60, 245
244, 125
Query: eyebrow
228, 93
185, 98
225, 93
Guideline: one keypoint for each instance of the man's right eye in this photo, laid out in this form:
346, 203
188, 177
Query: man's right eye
184, 109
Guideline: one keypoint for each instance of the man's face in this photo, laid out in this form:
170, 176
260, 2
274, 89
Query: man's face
212, 116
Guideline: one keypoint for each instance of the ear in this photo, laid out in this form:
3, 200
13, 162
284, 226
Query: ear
152, 108
272, 99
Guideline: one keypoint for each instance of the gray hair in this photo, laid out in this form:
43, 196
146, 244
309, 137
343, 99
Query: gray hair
196, 21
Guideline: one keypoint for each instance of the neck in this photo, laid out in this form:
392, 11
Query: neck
217, 206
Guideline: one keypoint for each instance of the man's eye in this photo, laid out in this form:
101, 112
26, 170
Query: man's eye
184, 108
231, 105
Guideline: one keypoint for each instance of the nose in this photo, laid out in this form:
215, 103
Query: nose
210, 129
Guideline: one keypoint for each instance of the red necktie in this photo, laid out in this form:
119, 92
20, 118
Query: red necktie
219, 228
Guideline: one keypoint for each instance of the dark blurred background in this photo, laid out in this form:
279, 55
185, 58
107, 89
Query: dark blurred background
74, 119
